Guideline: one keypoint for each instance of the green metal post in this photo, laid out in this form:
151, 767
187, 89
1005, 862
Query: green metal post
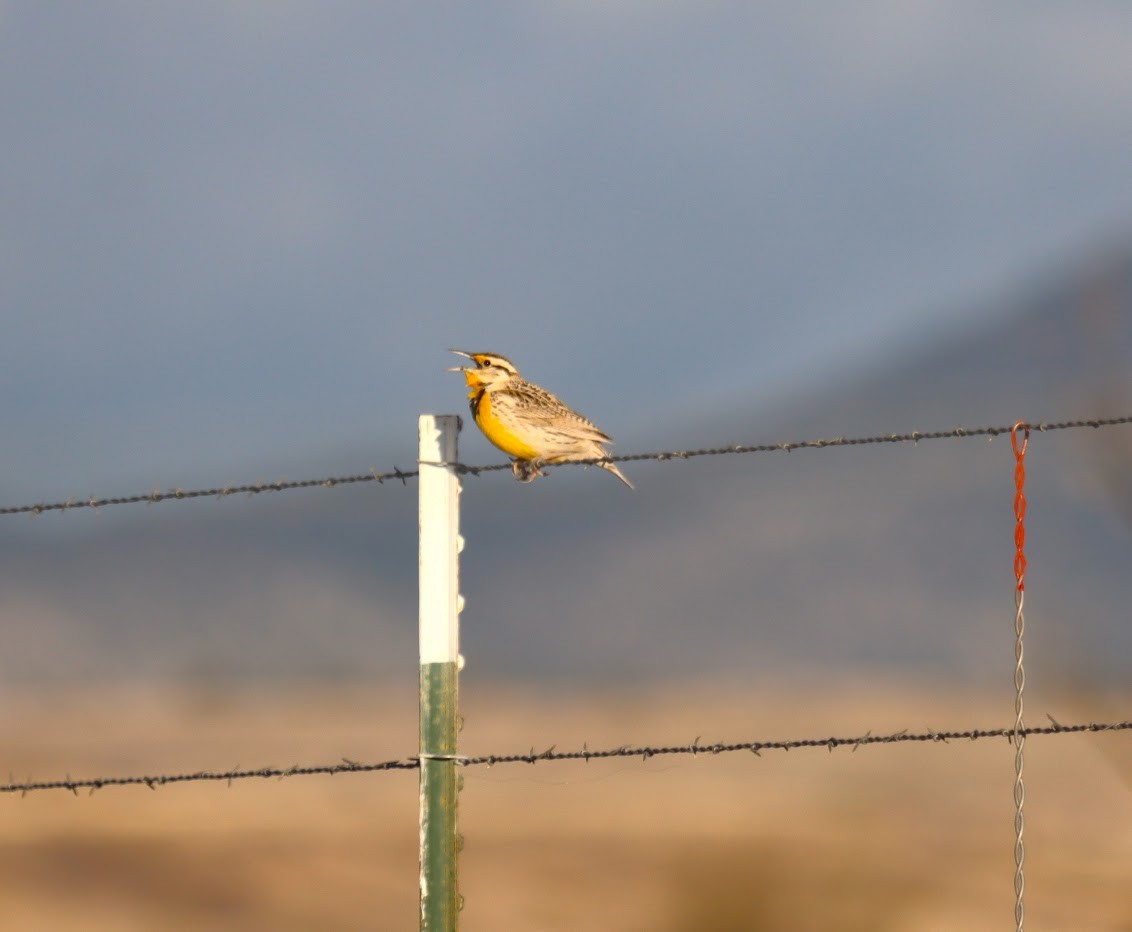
440, 604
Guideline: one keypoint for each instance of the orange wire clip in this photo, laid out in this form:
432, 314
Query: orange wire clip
1020, 500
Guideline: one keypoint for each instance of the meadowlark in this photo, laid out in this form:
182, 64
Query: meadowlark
526, 422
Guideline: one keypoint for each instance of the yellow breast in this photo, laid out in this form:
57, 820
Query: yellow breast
496, 429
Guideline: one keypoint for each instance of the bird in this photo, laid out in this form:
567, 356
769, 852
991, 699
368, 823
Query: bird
527, 422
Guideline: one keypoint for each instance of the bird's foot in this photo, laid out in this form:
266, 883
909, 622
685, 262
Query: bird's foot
527, 470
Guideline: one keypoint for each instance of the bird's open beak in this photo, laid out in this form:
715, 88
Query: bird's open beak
459, 352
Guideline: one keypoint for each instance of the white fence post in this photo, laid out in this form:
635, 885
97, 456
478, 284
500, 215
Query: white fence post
440, 604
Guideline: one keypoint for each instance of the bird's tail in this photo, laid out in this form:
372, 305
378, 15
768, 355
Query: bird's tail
612, 467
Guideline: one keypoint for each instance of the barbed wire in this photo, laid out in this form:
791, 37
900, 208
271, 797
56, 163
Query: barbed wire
249, 489
207, 776
664, 456
552, 754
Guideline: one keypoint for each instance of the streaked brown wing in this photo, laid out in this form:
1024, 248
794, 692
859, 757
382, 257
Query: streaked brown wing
539, 406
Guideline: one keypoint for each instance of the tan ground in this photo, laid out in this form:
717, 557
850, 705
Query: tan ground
910, 837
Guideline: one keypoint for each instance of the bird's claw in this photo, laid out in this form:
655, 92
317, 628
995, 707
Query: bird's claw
526, 470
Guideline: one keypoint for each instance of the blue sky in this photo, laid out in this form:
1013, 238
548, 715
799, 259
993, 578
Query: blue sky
237, 238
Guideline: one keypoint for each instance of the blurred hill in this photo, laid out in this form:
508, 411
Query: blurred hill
894, 557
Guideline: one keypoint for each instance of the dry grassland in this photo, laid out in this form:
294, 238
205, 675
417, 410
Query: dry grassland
908, 837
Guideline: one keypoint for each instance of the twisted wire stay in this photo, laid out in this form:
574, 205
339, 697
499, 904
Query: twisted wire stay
1019, 735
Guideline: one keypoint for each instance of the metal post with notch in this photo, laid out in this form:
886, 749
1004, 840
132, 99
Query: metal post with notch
440, 662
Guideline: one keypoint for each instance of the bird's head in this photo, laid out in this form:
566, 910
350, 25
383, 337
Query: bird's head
489, 369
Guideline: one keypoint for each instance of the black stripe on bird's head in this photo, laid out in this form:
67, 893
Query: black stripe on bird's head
485, 361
